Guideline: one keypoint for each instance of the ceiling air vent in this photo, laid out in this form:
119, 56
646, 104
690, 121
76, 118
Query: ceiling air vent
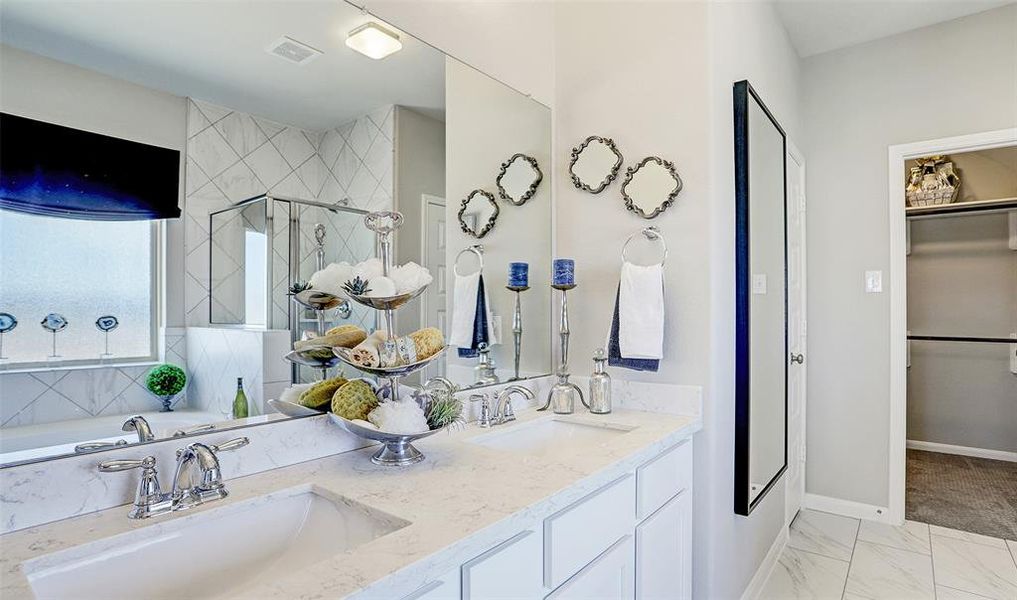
293, 51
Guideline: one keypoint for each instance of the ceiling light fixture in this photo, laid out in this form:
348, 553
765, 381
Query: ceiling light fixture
374, 41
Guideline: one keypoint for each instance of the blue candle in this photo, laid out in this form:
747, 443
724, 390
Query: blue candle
519, 274
564, 272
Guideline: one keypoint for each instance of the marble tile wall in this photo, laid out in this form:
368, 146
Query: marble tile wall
232, 156
219, 355
47, 396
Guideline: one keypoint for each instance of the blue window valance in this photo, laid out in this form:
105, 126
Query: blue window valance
57, 171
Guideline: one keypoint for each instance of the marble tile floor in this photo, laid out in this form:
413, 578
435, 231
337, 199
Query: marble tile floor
840, 558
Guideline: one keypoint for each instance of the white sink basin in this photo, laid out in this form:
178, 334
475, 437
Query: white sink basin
215, 553
545, 436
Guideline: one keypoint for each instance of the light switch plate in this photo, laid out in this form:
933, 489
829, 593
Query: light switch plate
873, 282
759, 283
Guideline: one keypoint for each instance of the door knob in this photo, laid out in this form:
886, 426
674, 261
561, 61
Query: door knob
797, 358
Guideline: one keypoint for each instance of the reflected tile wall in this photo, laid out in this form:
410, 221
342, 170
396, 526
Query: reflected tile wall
32, 398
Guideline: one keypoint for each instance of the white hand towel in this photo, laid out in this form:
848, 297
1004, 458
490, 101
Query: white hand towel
464, 309
641, 311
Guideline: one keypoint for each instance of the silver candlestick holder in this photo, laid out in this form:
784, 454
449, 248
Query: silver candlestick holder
517, 326
562, 397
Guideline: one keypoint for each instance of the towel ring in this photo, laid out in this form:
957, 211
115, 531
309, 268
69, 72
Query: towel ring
651, 233
477, 249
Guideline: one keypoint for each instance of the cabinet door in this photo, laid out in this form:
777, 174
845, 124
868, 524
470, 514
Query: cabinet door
609, 577
664, 552
513, 570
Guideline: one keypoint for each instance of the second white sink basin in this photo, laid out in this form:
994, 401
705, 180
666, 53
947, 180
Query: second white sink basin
215, 553
543, 436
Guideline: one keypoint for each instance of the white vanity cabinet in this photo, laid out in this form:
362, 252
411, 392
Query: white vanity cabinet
630, 539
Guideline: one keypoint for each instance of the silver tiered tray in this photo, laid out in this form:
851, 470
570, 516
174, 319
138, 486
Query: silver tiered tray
396, 448
343, 354
387, 302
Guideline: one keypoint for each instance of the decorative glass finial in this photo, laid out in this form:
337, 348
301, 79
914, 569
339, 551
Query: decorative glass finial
106, 324
53, 323
7, 324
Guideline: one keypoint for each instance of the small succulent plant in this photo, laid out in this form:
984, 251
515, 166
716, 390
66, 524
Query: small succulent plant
298, 287
357, 286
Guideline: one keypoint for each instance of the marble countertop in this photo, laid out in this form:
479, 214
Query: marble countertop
460, 501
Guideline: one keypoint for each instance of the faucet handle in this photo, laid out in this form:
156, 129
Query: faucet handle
96, 446
233, 444
126, 464
196, 429
485, 419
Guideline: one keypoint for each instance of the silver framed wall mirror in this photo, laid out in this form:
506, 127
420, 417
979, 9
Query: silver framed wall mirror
594, 164
651, 187
478, 207
761, 350
518, 179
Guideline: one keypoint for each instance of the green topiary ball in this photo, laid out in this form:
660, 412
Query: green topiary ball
166, 380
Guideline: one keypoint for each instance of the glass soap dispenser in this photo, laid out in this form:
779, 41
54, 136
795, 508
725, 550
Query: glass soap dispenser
600, 385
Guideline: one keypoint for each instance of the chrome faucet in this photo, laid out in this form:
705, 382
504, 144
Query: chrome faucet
197, 479
135, 423
503, 412
485, 419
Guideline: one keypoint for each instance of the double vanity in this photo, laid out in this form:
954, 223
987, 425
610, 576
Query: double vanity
546, 506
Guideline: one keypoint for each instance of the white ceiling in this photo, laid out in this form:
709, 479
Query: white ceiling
817, 26
215, 51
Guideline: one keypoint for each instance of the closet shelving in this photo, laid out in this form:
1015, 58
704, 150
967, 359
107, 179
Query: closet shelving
960, 208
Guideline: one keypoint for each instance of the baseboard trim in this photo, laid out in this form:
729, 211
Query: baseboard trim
848, 508
755, 587
963, 450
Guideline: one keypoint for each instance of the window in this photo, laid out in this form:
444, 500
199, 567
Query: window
82, 270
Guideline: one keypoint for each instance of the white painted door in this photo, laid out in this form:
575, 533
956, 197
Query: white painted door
609, 577
664, 552
433, 301
796, 332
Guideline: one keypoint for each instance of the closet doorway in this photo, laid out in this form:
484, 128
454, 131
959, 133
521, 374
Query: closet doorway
953, 333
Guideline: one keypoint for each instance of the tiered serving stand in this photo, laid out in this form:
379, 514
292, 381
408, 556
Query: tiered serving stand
396, 449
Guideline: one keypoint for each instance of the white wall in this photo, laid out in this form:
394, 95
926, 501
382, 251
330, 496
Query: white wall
746, 42
950, 79
485, 124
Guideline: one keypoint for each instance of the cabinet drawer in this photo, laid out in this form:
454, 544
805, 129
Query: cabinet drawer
662, 478
576, 535
512, 569
609, 577
445, 588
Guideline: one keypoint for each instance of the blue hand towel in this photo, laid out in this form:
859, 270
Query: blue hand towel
479, 325
614, 357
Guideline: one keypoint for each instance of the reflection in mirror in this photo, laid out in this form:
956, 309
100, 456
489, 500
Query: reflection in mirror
478, 213
594, 164
518, 179
247, 174
650, 187
761, 342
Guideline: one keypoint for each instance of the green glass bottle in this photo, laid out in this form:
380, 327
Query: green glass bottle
240, 402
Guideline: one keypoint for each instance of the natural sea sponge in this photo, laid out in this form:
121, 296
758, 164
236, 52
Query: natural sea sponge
320, 394
354, 400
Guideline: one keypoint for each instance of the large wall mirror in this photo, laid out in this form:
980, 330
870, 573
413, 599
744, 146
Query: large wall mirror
278, 139
761, 300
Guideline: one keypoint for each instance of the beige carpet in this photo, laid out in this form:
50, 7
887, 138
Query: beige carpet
971, 494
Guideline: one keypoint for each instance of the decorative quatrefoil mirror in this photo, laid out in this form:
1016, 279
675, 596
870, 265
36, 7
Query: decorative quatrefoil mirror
650, 187
518, 179
479, 207
594, 164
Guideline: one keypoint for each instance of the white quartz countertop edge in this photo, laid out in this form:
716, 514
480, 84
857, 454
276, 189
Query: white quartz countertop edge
462, 500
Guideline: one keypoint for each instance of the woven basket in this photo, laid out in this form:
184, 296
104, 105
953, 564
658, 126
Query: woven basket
932, 182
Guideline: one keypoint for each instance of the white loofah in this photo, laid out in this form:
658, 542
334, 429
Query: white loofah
331, 278
381, 287
370, 269
399, 417
410, 277
292, 393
